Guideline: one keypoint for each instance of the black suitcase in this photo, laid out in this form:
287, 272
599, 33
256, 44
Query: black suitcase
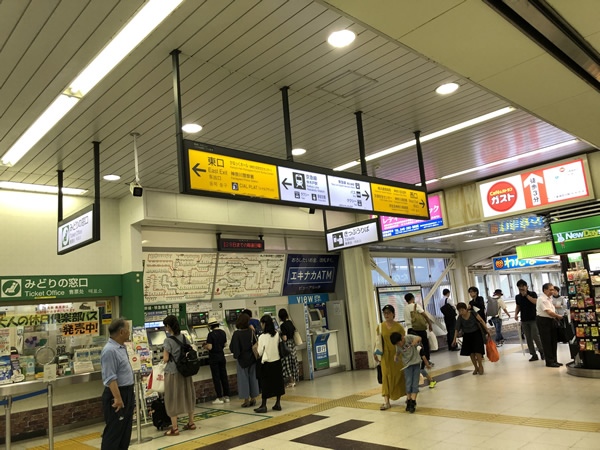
160, 419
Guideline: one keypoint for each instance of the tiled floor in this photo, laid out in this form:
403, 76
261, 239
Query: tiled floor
516, 404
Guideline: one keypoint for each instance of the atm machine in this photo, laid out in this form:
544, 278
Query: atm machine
198, 327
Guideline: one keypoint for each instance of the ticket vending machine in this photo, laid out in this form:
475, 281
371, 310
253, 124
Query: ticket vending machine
157, 333
198, 328
231, 317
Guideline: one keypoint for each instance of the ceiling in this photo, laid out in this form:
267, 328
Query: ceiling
236, 55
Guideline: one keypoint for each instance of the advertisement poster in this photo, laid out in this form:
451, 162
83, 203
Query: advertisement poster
310, 274
397, 226
534, 189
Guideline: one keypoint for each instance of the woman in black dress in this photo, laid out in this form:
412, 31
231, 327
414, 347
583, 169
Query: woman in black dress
477, 302
472, 327
289, 362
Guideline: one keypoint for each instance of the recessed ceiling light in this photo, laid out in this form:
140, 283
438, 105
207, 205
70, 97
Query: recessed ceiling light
447, 88
298, 151
39, 188
111, 177
450, 235
192, 128
341, 38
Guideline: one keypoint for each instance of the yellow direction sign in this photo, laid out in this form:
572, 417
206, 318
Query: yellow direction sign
396, 200
218, 173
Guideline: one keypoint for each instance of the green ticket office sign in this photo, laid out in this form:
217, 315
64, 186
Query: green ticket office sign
59, 287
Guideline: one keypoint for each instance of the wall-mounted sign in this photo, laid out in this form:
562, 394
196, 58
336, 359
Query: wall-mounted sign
78, 230
240, 245
576, 235
360, 233
308, 299
513, 262
536, 188
59, 286
394, 296
310, 274
535, 250
518, 224
226, 173
400, 226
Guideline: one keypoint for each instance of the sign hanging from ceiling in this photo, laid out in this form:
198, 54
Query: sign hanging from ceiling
78, 230
221, 172
576, 235
514, 262
360, 233
400, 226
537, 188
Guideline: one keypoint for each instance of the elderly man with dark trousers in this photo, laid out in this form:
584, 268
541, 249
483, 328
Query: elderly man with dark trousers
118, 397
546, 316
526, 305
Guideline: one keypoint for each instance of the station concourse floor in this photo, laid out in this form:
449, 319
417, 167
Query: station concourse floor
516, 404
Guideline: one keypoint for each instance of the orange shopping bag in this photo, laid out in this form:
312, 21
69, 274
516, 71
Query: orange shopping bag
492, 351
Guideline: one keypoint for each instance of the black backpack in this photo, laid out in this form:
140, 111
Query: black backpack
188, 363
160, 419
448, 311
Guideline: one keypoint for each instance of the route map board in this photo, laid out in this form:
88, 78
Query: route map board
249, 275
221, 172
175, 277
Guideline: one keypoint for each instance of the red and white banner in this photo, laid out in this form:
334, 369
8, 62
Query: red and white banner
534, 189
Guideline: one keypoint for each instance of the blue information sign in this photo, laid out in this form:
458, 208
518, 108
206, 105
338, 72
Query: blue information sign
512, 262
310, 274
307, 299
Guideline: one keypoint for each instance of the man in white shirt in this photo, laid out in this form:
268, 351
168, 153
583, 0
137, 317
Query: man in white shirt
546, 315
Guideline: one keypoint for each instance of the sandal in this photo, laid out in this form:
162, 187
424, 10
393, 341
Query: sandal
172, 432
385, 406
476, 371
189, 426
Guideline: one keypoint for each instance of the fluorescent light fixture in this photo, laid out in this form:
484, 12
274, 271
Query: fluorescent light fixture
533, 242
512, 158
39, 188
136, 30
298, 151
512, 240
111, 177
450, 235
56, 111
447, 88
489, 237
192, 128
341, 38
431, 136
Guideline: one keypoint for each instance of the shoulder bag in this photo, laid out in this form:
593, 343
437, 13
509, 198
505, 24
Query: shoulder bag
418, 321
284, 350
297, 337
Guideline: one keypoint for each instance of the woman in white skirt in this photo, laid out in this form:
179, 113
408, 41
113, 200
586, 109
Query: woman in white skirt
180, 395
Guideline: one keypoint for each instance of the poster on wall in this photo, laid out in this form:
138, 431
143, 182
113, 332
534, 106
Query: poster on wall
173, 277
310, 274
536, 188
394, 295
248, 275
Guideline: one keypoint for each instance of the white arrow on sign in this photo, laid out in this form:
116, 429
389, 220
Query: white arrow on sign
534, 179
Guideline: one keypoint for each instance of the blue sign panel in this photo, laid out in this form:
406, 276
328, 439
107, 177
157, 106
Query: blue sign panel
321, 351
308, 299
512, 262
519, 224
310, 274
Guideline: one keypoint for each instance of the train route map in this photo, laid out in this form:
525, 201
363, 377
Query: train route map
249, 275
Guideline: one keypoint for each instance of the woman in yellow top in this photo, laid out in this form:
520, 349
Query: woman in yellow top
393, 385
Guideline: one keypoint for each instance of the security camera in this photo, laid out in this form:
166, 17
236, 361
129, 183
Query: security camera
136, 189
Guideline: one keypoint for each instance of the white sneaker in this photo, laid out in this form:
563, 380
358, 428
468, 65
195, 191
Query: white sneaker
218, 401
226, 399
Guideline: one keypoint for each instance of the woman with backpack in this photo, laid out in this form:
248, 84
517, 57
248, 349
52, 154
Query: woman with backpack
242, 341
270, 373
180, 395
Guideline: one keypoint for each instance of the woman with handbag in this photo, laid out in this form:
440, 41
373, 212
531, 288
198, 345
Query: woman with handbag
289, 362
473, 328
393, 385
241, 346
180, 395
270, 373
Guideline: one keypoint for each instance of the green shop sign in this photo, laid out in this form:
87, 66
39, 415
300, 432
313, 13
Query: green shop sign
59, 287
571, 236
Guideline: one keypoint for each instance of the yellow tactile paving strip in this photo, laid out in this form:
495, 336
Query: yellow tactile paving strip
357, 401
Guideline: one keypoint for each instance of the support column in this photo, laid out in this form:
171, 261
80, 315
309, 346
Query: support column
361, 305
